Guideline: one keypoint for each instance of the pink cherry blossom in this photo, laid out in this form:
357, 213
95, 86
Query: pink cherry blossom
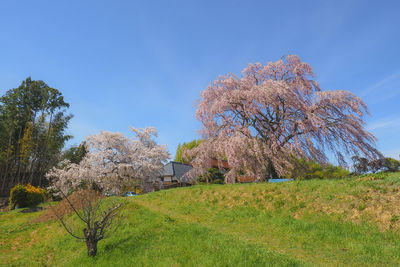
272, 113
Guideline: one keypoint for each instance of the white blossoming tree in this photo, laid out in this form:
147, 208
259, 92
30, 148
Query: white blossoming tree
113, 161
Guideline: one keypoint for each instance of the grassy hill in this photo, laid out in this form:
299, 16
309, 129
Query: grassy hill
318, 222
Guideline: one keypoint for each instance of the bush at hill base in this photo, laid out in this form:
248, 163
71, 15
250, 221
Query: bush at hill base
308, 169
213, 176
22, 196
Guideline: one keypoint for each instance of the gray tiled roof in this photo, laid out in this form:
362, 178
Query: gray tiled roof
176, 169
168, 170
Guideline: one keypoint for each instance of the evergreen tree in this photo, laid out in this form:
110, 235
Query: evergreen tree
33, 121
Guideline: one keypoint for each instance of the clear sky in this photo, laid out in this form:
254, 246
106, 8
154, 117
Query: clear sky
144, 63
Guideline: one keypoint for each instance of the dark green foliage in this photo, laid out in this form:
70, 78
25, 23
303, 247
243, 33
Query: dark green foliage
33, 199
308, 169
179, 156
18, 197
391, 164
213, 176
75, 153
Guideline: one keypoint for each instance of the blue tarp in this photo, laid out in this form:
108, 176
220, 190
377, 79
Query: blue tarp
279, 180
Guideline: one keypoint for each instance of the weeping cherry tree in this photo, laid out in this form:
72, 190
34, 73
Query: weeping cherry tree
272, 114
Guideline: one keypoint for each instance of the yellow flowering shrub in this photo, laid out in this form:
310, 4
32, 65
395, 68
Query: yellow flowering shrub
32, 189
26, 195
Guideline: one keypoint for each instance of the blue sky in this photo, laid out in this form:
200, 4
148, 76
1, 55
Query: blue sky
140, 63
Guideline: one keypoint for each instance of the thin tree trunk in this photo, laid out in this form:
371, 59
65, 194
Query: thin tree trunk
17, 161
34, 158
45, 149
28, 167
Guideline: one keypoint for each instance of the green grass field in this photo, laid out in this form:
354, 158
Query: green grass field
346, 222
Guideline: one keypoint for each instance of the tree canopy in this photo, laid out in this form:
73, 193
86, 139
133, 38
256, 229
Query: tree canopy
179, 156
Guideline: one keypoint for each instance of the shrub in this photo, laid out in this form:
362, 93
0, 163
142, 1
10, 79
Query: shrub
27, 195
18, 196
391, 165
213, 176
308, 169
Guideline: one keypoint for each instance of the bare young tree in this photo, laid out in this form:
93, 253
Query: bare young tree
112, 162
98, 220
259, 122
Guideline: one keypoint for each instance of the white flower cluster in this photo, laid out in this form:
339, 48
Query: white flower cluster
113, 160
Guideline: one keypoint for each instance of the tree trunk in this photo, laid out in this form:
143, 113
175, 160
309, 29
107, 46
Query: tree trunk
91, 244
91, 240
28, 168
270, 171
17, 158
40, 173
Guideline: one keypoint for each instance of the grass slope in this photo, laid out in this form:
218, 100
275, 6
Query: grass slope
328, 223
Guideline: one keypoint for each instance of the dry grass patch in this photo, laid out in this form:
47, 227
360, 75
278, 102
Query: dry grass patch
79, 200
372, 201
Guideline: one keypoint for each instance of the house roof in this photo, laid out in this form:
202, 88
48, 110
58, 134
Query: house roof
176, 169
